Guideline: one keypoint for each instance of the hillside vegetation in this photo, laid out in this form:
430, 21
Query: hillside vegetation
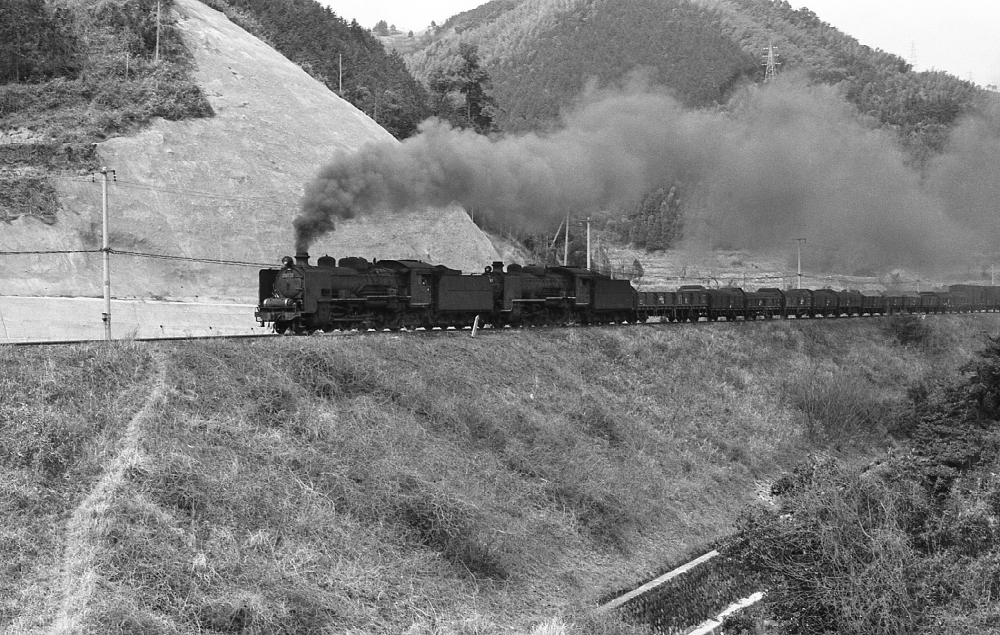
542, 54
920, 108
906, 545
339, 54
416, 484
73, 74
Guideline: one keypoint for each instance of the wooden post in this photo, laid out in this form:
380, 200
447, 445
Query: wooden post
107, 256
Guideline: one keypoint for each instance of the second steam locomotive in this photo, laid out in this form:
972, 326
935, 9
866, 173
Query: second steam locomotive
354, 293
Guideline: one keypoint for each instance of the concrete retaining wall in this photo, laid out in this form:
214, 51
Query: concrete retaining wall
31, 319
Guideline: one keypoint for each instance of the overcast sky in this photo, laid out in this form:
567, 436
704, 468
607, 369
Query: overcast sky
958, 36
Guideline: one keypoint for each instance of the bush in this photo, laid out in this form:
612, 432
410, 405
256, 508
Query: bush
910, 544
909, 329
840, 408
839, 554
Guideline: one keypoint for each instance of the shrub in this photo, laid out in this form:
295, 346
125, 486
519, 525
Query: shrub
983, 384
908, 545
840, 554
909, 329
838, 407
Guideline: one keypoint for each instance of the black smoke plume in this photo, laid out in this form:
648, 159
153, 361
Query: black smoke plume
780, 162
609, 151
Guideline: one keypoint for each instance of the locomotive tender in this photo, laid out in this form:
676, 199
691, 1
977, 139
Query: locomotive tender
353, 293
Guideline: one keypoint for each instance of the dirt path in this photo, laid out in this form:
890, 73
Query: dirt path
87, 527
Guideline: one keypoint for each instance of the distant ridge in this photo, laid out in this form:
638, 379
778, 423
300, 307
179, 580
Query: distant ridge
542, 54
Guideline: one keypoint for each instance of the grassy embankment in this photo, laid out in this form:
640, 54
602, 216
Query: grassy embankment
412, 484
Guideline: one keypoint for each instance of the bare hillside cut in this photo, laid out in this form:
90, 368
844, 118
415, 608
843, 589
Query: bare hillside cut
224, 188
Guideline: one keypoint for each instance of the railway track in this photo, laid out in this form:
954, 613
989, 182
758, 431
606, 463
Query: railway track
468, 331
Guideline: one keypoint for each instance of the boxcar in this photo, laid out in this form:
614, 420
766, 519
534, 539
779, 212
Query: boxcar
692, 302
911, 301
727, 302
764, 303
826, 302
661, 304
850, 302
798, 302
930, 302
872, 303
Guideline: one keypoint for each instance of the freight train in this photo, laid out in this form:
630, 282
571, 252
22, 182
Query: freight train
354, 293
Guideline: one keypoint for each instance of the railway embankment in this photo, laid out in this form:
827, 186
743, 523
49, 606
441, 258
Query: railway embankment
402, 483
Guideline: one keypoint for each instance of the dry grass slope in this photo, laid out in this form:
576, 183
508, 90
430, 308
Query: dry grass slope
384, 484
62, 416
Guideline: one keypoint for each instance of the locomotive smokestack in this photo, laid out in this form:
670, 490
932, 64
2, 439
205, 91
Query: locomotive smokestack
302, 258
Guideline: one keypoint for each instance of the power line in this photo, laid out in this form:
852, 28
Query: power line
187, 192
211, 261
157, 188
137, 254
50, 251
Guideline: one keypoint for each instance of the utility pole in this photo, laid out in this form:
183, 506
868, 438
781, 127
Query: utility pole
106, 250
588, 243
156, 55
798, 249
566, 243
341, 74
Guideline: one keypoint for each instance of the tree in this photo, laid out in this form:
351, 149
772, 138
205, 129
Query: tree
314, 37
655, 222
462, 95
475, 84
36, 41
442, 86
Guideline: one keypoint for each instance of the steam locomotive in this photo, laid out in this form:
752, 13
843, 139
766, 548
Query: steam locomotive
354, 293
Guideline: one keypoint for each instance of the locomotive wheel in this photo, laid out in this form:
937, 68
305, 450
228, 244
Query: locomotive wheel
280, 327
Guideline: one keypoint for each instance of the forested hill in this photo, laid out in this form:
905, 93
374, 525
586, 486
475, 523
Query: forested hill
921, 107
336, 53
540, 55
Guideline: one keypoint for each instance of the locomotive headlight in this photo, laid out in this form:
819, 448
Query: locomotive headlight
287, 262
